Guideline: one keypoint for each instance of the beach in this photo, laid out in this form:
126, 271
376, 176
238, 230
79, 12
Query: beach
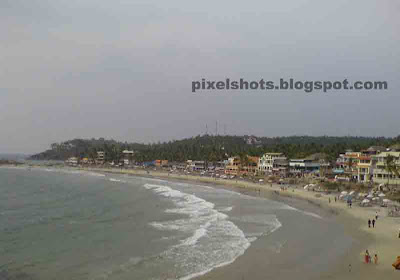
328, 243
383, 239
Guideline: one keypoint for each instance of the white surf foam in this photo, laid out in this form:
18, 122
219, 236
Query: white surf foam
287, 207
226, 209
116, 180
214, 240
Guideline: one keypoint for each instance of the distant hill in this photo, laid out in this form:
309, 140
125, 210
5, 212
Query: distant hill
214, 148
14, 157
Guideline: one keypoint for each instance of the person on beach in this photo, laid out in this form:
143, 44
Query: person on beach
375, 259
335, 198
376, 215
373, 223
350, 203
399, 232
329, 200
369, 223
366, 257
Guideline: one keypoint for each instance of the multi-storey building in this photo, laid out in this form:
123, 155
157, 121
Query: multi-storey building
266, 162
382, 173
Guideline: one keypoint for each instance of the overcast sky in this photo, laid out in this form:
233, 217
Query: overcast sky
123, 69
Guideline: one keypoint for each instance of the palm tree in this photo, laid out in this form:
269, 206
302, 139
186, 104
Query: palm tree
244, 160
391, 167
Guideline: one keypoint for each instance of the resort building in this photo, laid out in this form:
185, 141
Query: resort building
267, 161
365, 168
346, 164
233, 166
100, 157
196, 165
299, 166
386, 172
128, 157
250, 166
72, 161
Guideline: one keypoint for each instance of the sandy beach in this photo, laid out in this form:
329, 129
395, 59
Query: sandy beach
382, 240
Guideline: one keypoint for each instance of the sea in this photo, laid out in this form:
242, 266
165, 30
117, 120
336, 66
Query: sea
69, 224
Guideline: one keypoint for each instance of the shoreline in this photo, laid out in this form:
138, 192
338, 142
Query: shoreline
382, 239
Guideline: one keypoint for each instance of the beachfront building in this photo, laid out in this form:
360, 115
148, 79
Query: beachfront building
385, 172
346, 165
72, 161
365, 168
196, 165
267, 161
233, 166
127, 157
100, 157
249, 166
161, 163
301, 166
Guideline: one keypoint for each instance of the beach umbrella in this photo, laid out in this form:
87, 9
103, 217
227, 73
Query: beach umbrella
361, 194
382, 195
365, 201
386, 200
343, 193
370, 196
306, 187
375, 198
352, 192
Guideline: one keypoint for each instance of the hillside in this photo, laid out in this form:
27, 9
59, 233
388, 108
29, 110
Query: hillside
213, 148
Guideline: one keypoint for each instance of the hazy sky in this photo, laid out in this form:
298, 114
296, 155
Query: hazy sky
123, 69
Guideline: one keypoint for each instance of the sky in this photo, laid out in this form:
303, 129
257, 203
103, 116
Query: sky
123, 69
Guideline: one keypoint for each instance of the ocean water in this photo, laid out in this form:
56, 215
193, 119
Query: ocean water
68, 224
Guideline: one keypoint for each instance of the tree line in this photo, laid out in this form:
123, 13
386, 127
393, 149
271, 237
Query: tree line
213, 148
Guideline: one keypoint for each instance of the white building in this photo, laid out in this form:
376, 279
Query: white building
266, 162
72, 161
196, 165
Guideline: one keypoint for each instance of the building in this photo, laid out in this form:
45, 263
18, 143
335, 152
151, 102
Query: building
196, 165
73, 161
236, 167
128, 157
100, 157
381, 174
233, 166
280, 166
161, 162
266, 162
300, 166
252, 140
346, 164
250, 166
365, 169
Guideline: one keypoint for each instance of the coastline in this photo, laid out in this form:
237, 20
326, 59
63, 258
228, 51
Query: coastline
382, 239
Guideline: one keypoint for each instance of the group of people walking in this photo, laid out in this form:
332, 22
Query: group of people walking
368, 258
373, 221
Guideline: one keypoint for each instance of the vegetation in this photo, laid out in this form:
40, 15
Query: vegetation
391, 167
213, 148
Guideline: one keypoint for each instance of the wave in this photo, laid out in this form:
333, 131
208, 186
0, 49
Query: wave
213, 240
